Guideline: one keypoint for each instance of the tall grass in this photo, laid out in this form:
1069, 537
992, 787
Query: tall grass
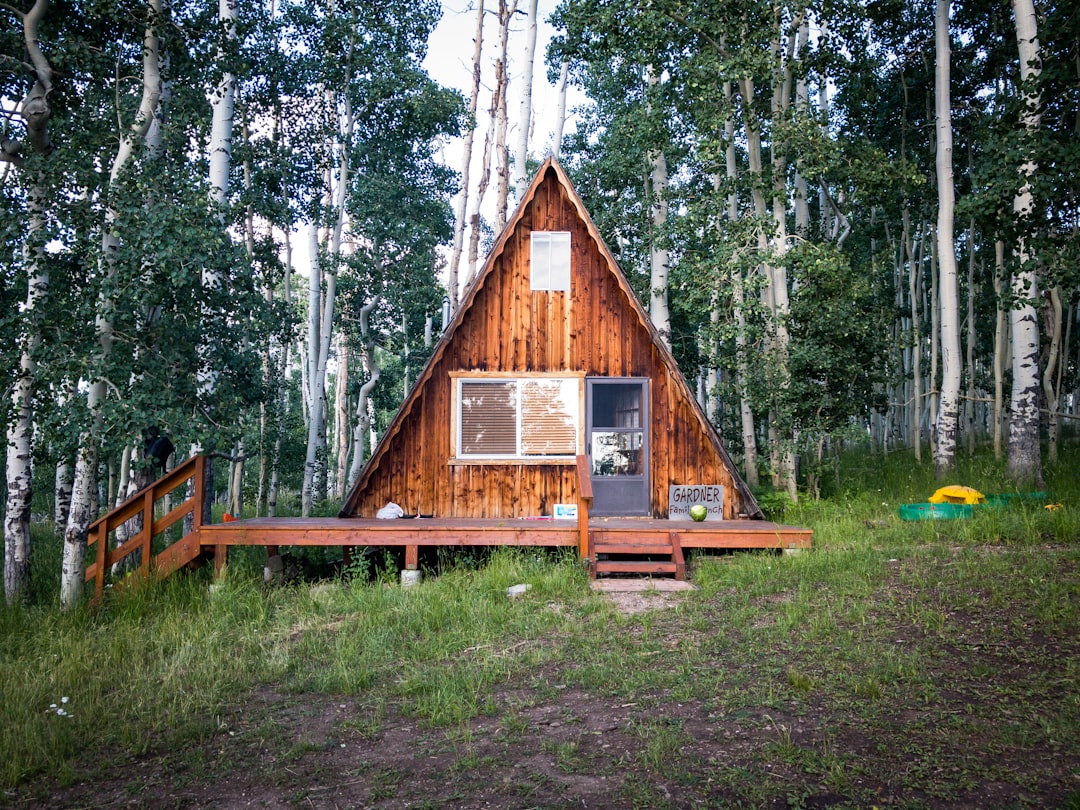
862, 620
156, 665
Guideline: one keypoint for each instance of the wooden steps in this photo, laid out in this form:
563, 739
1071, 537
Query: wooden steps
637, 556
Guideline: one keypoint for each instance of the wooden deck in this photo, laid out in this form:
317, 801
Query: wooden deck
608, 545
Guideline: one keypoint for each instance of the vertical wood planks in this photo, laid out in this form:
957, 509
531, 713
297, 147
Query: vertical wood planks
595, 328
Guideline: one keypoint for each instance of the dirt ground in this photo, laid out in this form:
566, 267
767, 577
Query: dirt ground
563, 748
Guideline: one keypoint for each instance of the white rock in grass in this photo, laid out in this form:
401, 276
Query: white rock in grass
517, 591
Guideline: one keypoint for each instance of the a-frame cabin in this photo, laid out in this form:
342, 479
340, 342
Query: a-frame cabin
550, 355
550, 391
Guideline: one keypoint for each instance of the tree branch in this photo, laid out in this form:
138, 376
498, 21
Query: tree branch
10, 153
26, 66
35, 107
839, 214
227, 457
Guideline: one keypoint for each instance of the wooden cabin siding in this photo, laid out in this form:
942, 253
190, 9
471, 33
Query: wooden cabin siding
504, 326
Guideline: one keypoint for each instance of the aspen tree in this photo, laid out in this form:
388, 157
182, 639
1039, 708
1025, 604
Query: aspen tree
35, 111
452, 273
521, 153
947, 288
1025, 454
84, 483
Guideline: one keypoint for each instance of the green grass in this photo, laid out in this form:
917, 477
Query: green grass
943, 654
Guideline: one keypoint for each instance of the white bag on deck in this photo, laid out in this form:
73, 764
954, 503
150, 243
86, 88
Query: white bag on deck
390, 511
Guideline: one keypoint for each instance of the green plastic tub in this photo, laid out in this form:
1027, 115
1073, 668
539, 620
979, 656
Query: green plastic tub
1015, 498
935, 511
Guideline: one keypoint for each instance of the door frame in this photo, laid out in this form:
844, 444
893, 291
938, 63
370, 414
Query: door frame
605, 485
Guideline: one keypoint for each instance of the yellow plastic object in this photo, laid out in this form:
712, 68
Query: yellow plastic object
957, 494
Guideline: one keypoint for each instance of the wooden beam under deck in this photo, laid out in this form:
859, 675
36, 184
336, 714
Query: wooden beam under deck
727, 534
402, 532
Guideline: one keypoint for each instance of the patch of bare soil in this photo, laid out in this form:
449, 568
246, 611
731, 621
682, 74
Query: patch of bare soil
553, 745
573, 750
631, 602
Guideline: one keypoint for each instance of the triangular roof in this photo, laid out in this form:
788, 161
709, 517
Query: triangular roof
550, 165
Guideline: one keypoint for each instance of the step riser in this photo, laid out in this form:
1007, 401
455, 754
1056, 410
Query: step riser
627, 548
636, 568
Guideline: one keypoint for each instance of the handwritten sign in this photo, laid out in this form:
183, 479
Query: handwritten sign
682, 497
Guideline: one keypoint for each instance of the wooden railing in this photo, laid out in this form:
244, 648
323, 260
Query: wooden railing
176, 554
585, 499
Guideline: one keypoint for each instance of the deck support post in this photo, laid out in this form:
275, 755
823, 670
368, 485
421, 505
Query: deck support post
273, 564
410, 575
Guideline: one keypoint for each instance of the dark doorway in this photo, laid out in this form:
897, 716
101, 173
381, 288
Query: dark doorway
617, 443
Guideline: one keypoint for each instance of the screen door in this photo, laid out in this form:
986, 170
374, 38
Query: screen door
617, 443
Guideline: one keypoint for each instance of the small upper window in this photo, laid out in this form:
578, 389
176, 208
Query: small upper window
550, 260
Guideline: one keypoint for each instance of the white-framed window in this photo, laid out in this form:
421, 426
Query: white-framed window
531, 417
549, 260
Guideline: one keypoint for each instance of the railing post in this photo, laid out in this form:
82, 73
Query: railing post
585, 499
201, 513
148, 529
200, 493
102, 541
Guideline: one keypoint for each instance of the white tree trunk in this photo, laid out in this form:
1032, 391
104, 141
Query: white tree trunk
521, 153
219, 153
236, 480
363, 401
658, 255
80, 514
1052, 385
282, 405
969, 359
341, 420
560, 110
746, 413
19, 467
1025, 455
222, 103
778, 284
36, 111
948, 288
754, 163
312, 365
452, 276
932, 389
1001, 349
502, 152
85, 482
61, 494
915, 413
481, 190
321, 317
802, 106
